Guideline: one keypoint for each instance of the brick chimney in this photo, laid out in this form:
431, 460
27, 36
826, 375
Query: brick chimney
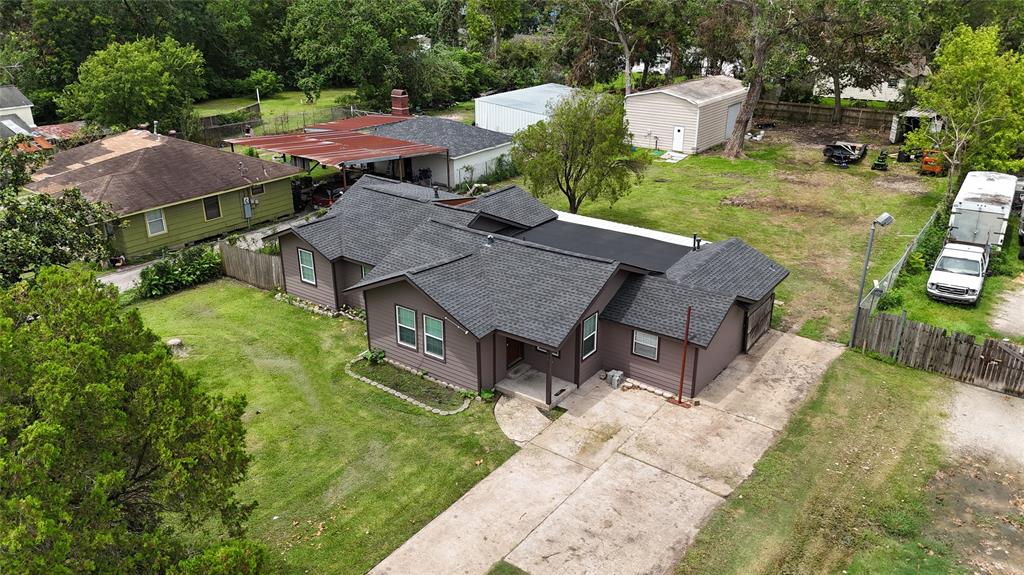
399, 103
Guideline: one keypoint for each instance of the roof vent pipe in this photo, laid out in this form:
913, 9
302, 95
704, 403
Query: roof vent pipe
696, 242
490, 240
436, 195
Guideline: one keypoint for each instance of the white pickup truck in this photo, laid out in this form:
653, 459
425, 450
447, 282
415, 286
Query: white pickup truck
959, 273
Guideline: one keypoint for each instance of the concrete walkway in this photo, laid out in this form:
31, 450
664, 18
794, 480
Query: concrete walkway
125, 278
623, 480
519, 420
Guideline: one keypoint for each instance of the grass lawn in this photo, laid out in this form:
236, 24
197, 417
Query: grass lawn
782, 199
911, 296
464, 112
503, 568
845, 487
848, 103
289, 102
343, 472
428, 392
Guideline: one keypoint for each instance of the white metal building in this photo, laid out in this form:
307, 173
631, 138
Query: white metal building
510, 112
688, 117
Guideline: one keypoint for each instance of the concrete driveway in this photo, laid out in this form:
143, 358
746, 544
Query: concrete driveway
620, 483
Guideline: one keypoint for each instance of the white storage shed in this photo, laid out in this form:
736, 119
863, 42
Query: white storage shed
510, 112
688, 117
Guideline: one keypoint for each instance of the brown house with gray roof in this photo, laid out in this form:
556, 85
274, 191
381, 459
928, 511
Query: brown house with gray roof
496, 291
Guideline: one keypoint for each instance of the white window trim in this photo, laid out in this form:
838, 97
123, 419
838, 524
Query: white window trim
656, 346
312, 267
163, 222
552, 353
220, 210
585, 336
426, 334
399, 326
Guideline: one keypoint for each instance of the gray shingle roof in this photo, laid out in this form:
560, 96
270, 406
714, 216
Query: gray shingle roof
12, 125
11, 97
402, 188
512, 204
659, 305
730, 267
700, 90
459, 138
372, 217
525, 289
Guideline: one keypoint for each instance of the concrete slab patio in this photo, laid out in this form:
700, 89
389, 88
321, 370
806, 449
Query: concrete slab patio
623, 480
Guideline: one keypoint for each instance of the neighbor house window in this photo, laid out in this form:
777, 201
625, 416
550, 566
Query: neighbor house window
155, 222
589, 336
365, 269
256, 190
645, 345
405, 320
211, 207
307, 272
433, 337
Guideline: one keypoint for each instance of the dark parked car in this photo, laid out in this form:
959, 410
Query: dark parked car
325, 196
843, 154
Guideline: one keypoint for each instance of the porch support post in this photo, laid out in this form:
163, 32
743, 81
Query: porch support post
547, 382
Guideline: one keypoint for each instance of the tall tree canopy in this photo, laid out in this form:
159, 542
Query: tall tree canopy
860, 44
975, 89
41, 230
582, 151
489, 21
109, 453
128, 84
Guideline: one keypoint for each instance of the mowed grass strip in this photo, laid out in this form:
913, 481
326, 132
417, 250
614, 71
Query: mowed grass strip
349, 471
287, 102
810, 216
844, 487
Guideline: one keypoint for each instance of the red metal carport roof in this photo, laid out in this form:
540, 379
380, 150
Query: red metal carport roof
358, 122
338, 147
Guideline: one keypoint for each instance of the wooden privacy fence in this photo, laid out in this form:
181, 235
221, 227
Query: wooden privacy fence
994, 364
254, 268
869, 118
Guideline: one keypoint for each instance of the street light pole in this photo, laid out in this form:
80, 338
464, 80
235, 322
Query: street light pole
882, 220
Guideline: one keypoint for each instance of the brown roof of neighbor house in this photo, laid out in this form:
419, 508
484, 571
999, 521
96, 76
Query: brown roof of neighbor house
137, 171
61, 131
700, 90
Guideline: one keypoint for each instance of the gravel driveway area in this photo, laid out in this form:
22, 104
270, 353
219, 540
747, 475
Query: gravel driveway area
623, 480
1008, 315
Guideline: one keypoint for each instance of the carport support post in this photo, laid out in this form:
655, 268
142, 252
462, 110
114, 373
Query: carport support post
686, 342
547, 382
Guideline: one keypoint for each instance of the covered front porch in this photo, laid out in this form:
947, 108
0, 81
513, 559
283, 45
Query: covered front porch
533, 373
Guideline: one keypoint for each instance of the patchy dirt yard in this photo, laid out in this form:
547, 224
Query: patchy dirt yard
1008, 315
978, 496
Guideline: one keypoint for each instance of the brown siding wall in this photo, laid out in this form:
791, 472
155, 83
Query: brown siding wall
459, 365
617, 353
593, 363
487, 362
724, 347
349, 274
561, 366
323, 292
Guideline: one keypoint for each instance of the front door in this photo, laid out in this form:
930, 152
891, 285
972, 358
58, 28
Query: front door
677, 139
513, 351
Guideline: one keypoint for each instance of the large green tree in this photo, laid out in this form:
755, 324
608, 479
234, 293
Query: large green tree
110, 454
360, 42
582, 151
860, 44
41, 230
490, 21
975, 89
128, 84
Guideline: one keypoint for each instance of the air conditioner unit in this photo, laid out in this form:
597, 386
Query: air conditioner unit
615, 378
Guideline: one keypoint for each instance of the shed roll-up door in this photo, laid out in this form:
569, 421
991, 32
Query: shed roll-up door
759, 319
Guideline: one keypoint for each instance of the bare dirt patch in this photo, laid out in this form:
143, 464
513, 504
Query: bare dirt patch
978, 510
753, 201
1008, 316
821, 134
901, 184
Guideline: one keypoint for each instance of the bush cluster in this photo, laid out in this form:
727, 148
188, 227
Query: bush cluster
189, 267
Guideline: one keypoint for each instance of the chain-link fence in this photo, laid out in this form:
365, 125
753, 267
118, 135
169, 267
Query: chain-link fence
265, 125
882, 285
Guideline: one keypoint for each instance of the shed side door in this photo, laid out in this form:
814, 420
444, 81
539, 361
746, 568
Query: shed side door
730, 120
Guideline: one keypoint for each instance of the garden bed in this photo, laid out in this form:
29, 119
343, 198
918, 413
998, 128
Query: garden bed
411, 384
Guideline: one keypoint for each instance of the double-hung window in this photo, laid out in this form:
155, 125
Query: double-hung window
589, 336
307, 271
433, 337
365, 270
155, 222
211, 207
645, 345
405, 326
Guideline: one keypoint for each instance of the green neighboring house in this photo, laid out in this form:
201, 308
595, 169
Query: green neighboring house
169, 192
